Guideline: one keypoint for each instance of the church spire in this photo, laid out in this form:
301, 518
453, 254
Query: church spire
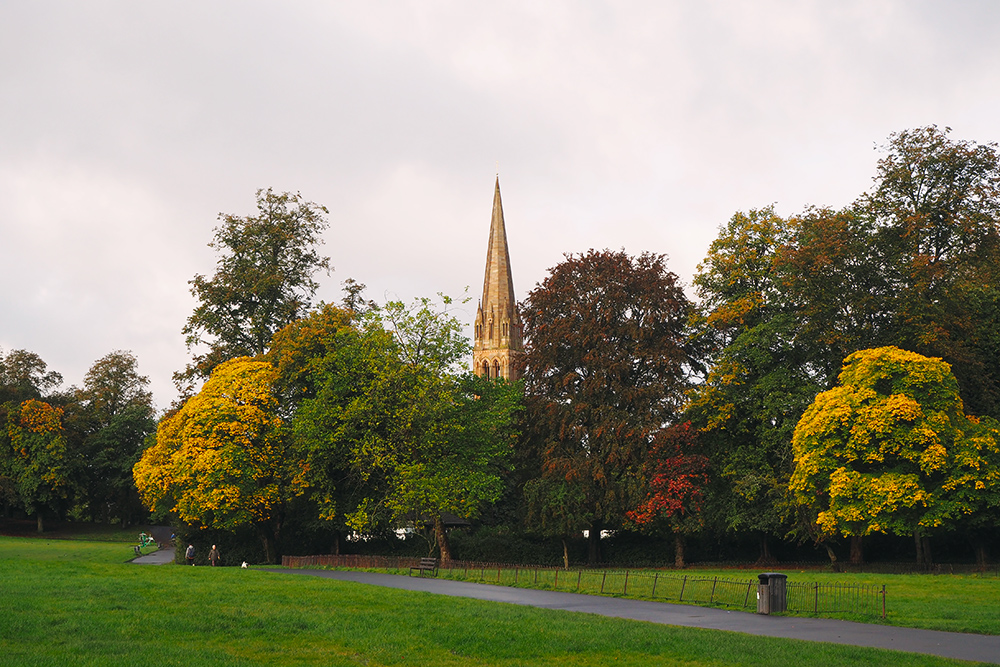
498, 284
497, 326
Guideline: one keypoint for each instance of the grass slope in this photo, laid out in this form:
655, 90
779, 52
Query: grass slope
79, 603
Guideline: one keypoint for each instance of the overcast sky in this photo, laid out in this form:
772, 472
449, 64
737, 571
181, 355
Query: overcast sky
127, 127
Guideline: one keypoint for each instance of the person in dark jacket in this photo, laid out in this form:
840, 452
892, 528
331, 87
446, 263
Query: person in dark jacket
189, 554
214, 556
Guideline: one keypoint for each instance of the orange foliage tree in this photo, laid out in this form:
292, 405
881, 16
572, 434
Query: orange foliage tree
220, 461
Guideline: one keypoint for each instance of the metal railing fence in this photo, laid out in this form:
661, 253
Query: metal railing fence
814, 598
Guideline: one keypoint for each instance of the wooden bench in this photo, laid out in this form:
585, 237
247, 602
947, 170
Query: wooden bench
426, 565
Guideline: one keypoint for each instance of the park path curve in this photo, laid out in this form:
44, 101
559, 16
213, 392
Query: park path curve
158, 557
961, 646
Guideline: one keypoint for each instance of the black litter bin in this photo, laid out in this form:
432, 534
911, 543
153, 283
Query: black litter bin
771, 593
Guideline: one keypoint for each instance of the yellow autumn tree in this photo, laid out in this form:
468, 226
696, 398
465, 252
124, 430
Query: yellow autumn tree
890, 450
220, 461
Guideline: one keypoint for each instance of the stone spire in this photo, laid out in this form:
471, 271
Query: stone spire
497, 326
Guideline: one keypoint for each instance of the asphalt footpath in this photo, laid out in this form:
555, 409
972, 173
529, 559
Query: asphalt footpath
158, 557
979, 648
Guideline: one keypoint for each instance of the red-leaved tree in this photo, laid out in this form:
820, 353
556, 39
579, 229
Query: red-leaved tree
676, 476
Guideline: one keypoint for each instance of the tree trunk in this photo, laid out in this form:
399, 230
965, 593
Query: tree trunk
565, 554
594, 543
679, 550
982, 557
928, 558
335, 549
41, 523
829, 552
269, 539
268, 545
919, 544
442, 539
765, 557
857, 550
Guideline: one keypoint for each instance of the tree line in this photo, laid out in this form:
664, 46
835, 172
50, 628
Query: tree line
69, 453
836, 378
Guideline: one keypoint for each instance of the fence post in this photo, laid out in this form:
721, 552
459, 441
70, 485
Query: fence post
603, 579
711, 596
746, 600
816, 602
883, 600
556, 585
515, 575
656, 575
683, 584
536, 576
625, 592
578, 575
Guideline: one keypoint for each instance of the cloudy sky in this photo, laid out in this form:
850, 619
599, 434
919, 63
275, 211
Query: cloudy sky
127, 127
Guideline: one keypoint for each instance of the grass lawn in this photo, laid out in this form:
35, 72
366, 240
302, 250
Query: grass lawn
69, 530
80, 603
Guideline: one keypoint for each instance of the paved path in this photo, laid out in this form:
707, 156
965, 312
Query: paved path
158, 557
981, 648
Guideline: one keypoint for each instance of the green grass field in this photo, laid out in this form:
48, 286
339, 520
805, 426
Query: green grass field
79, 603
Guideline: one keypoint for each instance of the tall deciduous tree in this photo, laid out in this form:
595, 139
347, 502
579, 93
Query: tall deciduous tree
221, 460
890, 450
117, 416
386, 431
263, 280
24, 375
759, 381
606, 364
936, 208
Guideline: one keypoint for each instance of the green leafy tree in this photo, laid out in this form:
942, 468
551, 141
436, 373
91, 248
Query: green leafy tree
24, 375
606, 364
936, 209
890, 450
759, 381
115, 413
386, 431
831, 274
263, 280
460, 458
37, 463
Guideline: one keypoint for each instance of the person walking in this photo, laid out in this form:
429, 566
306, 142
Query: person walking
213, 556
189, 554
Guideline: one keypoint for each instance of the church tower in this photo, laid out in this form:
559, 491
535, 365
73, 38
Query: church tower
498, 342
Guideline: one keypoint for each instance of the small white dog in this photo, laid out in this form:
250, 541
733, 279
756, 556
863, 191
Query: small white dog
244, 566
